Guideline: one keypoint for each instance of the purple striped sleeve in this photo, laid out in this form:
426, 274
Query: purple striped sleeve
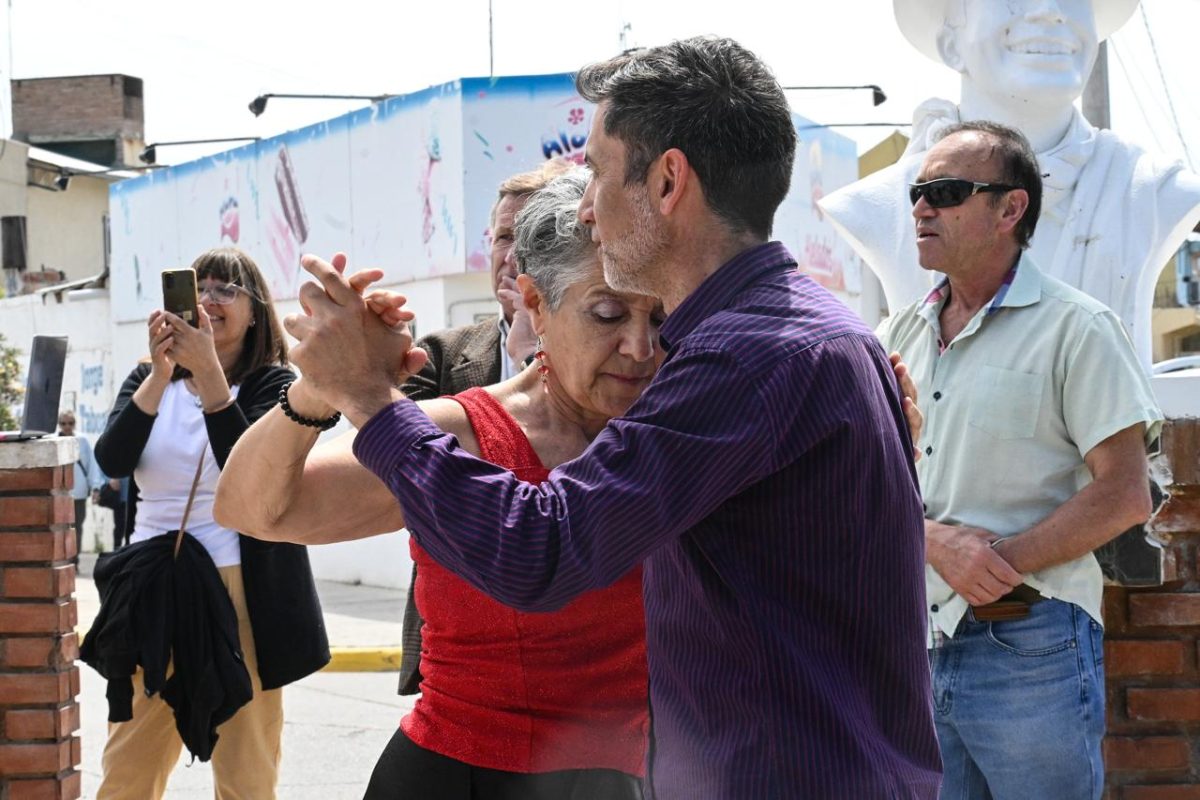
537, 547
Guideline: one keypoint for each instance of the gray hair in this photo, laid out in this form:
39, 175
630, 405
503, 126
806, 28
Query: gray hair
552, 246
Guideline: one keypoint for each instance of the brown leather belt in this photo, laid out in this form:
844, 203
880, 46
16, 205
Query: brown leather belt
1014, 605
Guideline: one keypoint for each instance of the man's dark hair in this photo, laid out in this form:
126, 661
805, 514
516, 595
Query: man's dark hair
717, 103
1018, 166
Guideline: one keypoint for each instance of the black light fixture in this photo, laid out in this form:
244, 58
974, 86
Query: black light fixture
877, 95
63, 179
857, 125
150, 152
259, 104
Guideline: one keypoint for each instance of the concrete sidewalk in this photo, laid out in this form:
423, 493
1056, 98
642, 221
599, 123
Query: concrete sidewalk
363, 622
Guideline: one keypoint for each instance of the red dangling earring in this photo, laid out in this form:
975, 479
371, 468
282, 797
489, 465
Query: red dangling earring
540, 355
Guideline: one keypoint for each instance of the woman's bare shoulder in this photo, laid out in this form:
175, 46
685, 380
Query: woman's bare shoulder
450, 416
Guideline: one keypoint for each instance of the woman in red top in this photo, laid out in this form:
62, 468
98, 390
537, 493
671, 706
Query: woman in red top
513, 705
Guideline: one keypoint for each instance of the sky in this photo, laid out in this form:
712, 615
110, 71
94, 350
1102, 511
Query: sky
202, 63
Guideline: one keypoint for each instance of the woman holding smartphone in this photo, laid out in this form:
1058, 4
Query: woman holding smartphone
201, 388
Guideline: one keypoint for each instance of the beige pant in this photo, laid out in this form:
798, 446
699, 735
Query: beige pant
140, 754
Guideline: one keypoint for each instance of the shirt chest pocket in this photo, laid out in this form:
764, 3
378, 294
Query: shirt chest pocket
1007, 402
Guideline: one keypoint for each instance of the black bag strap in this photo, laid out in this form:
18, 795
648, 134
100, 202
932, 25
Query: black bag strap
187, 510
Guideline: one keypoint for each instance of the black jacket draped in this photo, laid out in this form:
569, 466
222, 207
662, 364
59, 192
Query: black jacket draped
155, 605
281, 596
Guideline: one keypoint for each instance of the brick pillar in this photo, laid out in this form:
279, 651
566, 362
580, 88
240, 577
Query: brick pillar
38, 645
1152, 636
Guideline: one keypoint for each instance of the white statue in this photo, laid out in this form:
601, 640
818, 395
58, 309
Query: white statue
1111, 213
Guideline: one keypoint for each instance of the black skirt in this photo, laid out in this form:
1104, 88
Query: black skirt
407, 771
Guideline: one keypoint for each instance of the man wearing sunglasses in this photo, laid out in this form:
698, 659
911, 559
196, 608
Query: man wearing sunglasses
1037, 417
1111, 214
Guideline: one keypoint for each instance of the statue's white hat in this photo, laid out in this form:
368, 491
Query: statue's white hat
921, 20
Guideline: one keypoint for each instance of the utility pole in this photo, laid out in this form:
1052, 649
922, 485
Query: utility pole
1095, 92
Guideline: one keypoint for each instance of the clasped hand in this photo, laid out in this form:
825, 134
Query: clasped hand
967, 561
353, 349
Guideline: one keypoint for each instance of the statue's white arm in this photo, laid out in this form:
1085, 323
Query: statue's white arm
875, 217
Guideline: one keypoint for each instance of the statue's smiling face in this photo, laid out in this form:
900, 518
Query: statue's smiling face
1018, 48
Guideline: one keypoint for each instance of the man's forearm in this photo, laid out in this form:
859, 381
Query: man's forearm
1094, 516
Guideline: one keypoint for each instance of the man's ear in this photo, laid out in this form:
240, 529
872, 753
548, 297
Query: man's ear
948, 49
1015, 205
669, 179
533, 301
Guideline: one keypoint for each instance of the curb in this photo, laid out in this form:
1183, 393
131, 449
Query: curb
363, 659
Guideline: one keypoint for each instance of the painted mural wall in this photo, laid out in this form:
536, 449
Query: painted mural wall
407, 185
387, 184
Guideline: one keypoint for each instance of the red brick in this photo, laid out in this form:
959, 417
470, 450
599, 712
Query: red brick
31, 480
1175, 705
29, 723
1161, 792
35, 759
33, 688
1125, 657
1181, 446
59, 617
38, 582
1145, 755
32, 652
1165, 609
36, 511
64, 787
42, 723
51, 544
1115, 612
1179, 518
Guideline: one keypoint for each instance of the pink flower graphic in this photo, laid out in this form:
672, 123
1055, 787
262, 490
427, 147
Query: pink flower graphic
575, 117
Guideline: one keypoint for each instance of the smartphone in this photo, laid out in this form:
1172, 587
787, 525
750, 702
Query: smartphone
179, 294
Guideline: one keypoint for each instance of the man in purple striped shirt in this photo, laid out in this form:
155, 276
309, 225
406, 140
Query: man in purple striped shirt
763, 478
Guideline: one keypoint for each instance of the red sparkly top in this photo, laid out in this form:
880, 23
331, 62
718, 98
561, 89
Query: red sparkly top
520, 692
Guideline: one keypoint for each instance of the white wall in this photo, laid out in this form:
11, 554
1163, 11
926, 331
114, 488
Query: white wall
89, 379
66, 229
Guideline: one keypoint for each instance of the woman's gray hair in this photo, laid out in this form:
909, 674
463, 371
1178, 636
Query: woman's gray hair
552, 246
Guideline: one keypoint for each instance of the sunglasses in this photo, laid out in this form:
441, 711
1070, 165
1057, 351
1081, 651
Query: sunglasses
950, 192
222, 293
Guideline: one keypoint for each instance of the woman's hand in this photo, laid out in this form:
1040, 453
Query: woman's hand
162, 365
193, 348
161, 340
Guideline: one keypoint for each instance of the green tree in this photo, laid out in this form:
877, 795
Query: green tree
11, 385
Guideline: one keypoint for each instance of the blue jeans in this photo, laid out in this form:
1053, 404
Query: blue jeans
1019, 706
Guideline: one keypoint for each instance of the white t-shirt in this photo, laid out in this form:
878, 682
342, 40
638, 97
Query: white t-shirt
164, 476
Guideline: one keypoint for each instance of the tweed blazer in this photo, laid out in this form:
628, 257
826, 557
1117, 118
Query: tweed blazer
459, 359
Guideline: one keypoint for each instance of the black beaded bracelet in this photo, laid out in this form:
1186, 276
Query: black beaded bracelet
319, 424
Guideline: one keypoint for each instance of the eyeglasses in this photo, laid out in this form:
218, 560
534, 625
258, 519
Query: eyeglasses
222, 293
950, 192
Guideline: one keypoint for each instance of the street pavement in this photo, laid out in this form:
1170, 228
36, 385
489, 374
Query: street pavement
336, 722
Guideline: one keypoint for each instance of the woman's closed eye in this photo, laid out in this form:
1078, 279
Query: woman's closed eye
609, 311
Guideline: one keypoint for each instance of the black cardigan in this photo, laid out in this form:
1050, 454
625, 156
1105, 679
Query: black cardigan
281, 596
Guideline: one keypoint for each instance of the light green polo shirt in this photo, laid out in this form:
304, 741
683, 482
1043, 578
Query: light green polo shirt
1011, 407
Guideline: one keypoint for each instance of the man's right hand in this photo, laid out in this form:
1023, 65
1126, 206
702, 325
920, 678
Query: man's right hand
522, 340
349, 355
964, 557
